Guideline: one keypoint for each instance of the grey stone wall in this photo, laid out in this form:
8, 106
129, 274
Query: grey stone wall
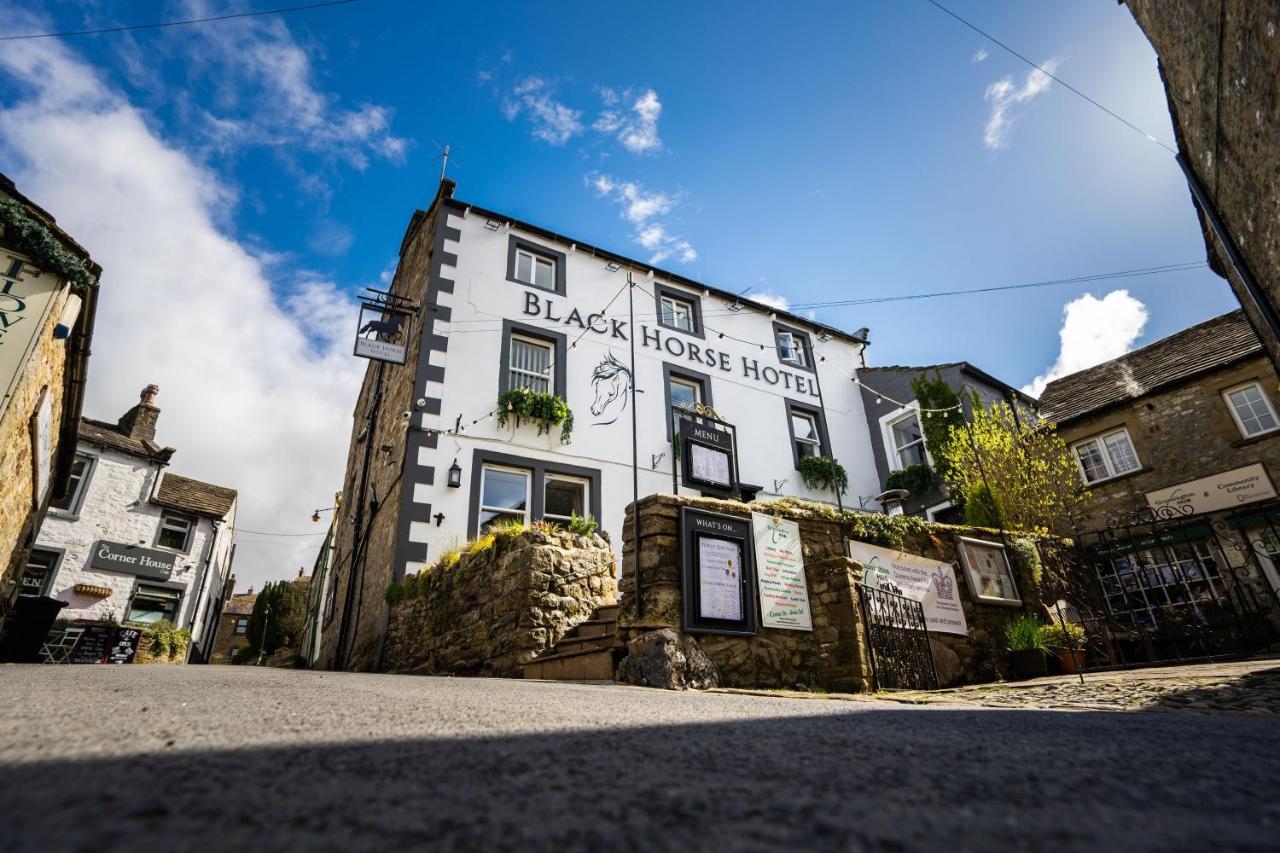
492, 610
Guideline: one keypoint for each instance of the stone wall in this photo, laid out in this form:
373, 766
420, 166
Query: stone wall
499, 604
1218, 61
833, 656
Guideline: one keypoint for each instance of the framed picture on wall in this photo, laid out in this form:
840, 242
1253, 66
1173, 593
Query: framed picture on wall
987, 569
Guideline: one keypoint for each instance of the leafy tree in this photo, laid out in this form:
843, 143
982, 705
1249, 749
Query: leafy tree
278, 618
1013, 470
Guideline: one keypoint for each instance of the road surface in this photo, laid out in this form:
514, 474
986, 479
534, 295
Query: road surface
230, 758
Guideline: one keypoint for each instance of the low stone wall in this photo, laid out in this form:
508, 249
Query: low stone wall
831, 657
494, 607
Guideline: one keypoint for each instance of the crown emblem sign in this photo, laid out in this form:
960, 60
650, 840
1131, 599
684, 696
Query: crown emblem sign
943, 584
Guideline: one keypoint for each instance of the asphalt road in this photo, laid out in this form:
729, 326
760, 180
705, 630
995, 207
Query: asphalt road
227, 758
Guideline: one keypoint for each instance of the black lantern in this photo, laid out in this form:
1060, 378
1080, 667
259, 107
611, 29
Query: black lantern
455, 475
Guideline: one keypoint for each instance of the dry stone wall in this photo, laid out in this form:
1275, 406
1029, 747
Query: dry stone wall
494, 609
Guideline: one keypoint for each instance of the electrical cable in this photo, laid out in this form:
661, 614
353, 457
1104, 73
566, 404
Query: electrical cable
182, 23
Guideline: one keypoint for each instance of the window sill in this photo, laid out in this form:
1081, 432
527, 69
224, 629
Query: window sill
794, 366
696, 333
1254, 439
1118, 477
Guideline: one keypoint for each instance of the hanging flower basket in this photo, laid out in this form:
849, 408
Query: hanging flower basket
92, 591
542, 408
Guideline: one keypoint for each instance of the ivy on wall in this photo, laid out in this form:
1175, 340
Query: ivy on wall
32, 237
916, 479
817, 473
935, 393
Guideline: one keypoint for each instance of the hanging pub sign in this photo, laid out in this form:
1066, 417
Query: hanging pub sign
707, 455
384, 327
717, 574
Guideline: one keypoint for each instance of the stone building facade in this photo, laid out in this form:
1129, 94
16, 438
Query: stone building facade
893, 417
504, 304
1218, 61
1182, 438
48, 299
132, 542
233, 626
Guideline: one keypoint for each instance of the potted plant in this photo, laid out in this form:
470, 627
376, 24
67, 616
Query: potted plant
1067, 639
1025, 640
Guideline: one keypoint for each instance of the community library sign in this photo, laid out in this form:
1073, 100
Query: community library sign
1217, 491
930, 582
133, 559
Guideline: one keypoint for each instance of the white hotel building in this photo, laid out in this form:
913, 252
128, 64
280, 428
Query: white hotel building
503, 303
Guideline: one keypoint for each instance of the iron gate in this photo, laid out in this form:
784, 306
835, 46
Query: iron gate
897, 641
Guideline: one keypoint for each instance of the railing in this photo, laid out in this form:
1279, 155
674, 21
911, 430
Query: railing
897, 640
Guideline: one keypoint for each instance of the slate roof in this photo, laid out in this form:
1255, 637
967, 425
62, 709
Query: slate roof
194, 496
963, 366
1204, 347
241, 605
111, 436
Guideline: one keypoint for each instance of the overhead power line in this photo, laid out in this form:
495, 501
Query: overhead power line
182, 23
1051, 76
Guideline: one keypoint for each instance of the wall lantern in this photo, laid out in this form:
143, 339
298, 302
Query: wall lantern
894, 501
455, 475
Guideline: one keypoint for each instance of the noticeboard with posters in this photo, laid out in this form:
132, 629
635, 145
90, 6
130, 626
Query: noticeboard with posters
717, 574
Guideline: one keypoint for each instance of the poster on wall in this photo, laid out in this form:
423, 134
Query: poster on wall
26, 298
717, 574
987, 569
784, 592
931, 582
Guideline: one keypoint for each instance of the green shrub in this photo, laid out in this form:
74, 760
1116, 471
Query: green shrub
1058, 637
1026, 556
582, 525
1025, 634
166, 641
816, 472
541, 407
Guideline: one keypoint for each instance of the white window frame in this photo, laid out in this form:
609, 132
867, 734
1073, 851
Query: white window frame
189, 521
887, 423
1235, 414
931, 512
672, 304
534, 258
797, 346
1107, 462
242, 625
565, 478
545, 377
481, 508
815, 443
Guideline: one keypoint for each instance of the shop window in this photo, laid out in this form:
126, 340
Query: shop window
175, 532
1251, 410
76, 486
1106, 456
38, 572
504, 496
564, 497
152, 604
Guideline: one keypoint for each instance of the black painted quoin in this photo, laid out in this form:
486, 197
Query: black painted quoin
717, 554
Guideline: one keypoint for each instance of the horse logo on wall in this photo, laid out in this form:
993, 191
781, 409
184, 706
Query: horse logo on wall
610, 388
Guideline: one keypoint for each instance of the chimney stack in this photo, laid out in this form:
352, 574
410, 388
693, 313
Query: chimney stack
140, 421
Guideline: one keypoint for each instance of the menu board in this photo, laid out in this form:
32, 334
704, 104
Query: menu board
709, 465
719, 578
93, 644
784, 593
124, 646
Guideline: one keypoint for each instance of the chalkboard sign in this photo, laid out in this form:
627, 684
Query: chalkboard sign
93, 644
125, 645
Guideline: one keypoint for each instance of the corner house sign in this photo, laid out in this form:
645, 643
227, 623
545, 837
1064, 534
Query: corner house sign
1218, 491
133, 560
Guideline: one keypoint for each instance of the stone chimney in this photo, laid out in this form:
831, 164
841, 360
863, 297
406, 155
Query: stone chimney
140, 421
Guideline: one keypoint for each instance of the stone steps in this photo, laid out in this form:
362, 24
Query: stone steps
585, 653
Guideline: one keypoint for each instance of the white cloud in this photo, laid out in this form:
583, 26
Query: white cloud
980, 55
1093, 331
552, 121
768, 297
637, 129
255, 391
640, 207
1004, 96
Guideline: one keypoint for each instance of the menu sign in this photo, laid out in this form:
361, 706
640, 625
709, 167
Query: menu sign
125, 645
133, 559
1218, 491
784, 593
707, 456
717, 587
93, 644
930, 582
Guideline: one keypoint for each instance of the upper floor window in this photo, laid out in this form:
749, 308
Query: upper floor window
175, 531
804, 429
530, 365
535, 269
1251, 410
242, 625
676, 314
76, 484
685, 394
906, 441
792, 348
1105, 456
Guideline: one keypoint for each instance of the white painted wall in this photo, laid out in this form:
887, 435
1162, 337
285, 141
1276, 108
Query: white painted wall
116, 508
483, 297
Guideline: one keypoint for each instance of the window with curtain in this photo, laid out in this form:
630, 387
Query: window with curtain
530, 365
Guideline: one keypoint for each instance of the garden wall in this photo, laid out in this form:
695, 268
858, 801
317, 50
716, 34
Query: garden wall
832, 656
492, 608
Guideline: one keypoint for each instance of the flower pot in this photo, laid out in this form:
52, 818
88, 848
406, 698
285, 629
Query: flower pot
1028, 663
1071, 660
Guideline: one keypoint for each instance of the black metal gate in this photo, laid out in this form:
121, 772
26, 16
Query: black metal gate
897, 641
1171, 586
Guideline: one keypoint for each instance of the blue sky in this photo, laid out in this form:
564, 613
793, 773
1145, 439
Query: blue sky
844, 153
